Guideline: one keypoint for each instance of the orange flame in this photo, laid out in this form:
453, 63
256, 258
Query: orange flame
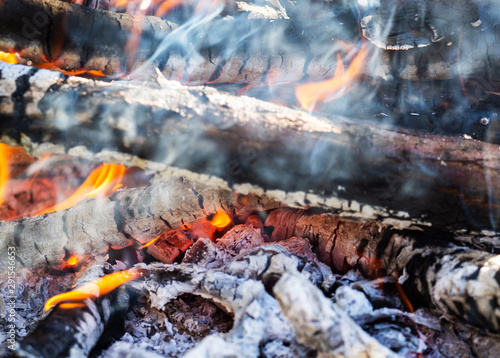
6, 154
220, 220
4, 170
101, 182
311, 94
8, 57
94, 289
72, 261
68, 306
167, 6
51, 66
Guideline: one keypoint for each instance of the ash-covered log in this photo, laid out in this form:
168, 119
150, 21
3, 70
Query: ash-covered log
74, 331
260, 325
129, 216
459, 282
449, 182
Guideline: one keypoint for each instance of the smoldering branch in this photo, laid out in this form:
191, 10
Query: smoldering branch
213, 57
128, 217
74, 332
224, 135
460, 282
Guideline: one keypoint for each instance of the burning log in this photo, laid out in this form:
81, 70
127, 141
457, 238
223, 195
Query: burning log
129, 216
457, 281
73, 329
403, 177
236, 287
119, 43
58, 33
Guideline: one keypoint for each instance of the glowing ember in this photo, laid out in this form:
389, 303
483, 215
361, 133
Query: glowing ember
8, 57
311, 94
101, 182
94, 289
150, 242
51, 66
220, 220
72, 261
68, 306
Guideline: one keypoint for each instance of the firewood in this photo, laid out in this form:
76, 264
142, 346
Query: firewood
322, 325
129, 216
335, 163
459, 282
253, 308
92, 39
103, 44
72, 332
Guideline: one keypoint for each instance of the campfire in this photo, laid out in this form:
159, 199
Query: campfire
207, 178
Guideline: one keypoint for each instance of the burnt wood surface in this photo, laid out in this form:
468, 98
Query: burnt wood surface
459, 282
74, 37
451, 183
73, 332
129, 216
293, 327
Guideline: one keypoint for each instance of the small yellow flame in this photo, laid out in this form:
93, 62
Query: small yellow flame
220, 220
150, 242
8, 57
72, 261
94, 289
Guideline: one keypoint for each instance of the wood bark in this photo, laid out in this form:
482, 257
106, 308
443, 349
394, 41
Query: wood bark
459, 282
210, 53
74, 332
333, 163
73, 37
127, 217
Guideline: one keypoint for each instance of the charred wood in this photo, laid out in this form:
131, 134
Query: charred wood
129, 216
253, 309
335, 163
237, 287
73, 332
459, 282
62, 34
211, 55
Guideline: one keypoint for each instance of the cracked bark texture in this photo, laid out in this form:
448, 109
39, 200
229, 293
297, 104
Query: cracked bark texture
460, 283
129, 216
401, 177
278, 50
